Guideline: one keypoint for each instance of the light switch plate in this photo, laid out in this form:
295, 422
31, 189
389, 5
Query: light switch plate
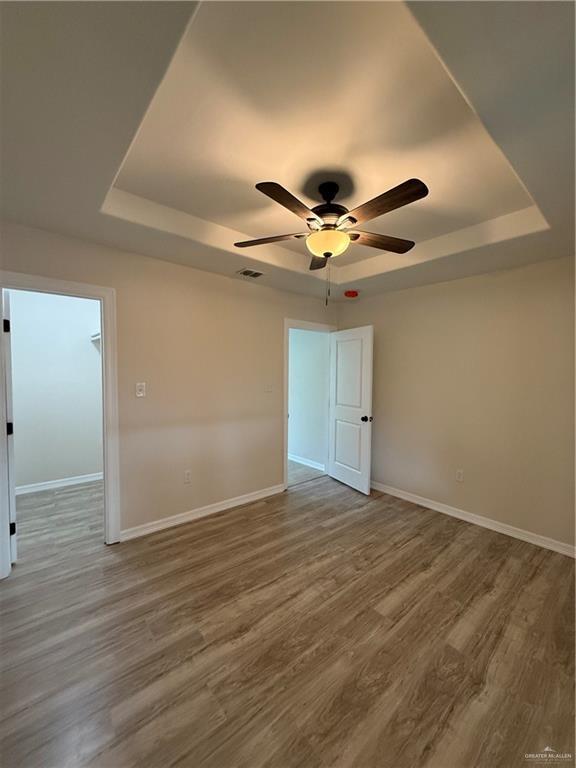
141, 389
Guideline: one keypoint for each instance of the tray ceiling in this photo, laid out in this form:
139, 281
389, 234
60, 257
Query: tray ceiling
145, 126
279, 91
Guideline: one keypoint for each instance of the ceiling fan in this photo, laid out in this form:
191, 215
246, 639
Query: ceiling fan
332, 227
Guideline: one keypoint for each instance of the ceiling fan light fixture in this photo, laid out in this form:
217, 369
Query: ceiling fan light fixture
327, 242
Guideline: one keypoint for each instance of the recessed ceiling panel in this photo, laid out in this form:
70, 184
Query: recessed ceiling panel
276, 91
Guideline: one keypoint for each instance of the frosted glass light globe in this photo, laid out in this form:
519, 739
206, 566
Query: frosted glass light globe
327, 242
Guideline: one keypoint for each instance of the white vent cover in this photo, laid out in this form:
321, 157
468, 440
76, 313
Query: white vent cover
249, 273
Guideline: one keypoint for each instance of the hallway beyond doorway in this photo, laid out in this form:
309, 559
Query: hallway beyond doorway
300, 473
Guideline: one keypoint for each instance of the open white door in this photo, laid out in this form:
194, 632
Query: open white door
350, 449
7, 495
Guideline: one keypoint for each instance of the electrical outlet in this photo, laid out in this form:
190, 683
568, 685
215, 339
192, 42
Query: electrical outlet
141, 389
460, 475
187, 477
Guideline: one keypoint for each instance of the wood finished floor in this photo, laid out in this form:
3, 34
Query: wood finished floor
300, 473
315, 629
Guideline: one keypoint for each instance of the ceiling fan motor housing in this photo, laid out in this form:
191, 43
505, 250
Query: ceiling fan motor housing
329, 211
328, 190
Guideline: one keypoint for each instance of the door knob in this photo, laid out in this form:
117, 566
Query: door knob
364, 418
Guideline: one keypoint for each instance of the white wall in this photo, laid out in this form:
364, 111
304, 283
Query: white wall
57, 391
478, 374
308, 395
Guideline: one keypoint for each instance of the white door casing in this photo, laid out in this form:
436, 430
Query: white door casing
7, 352
107, 298
5, 495
350, 448
303, 325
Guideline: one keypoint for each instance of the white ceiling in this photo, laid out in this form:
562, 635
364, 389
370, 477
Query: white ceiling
255, 92
368, 95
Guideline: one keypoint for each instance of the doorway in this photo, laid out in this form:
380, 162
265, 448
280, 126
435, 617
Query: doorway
59, 458
308, 393
56, 371
327, 404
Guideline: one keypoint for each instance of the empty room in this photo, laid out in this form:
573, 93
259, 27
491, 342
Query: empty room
287, 384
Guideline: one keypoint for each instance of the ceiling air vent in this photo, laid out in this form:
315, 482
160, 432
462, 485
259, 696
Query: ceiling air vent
249, 273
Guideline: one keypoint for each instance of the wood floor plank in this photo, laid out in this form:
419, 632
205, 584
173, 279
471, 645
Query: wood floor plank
319, 628
301, 473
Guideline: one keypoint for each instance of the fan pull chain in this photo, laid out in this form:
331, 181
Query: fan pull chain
327, 281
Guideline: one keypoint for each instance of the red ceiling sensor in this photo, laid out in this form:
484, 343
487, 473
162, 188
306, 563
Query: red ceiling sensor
351, 294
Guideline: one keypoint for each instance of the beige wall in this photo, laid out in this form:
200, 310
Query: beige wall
478, 374
474, 374
207, 346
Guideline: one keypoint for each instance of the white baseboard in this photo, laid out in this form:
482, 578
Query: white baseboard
50, 485
484, 522
307, 462
194, 514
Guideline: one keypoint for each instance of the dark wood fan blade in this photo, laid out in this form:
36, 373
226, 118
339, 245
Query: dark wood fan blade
403, 194
274, 239
318, 262
287, 199
384, 242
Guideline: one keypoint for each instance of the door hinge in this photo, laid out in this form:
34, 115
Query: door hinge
6, 325
12, 529
9, 428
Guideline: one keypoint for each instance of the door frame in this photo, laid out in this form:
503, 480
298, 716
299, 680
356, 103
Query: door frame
110, 430
9, 415
302, 325
5, 548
